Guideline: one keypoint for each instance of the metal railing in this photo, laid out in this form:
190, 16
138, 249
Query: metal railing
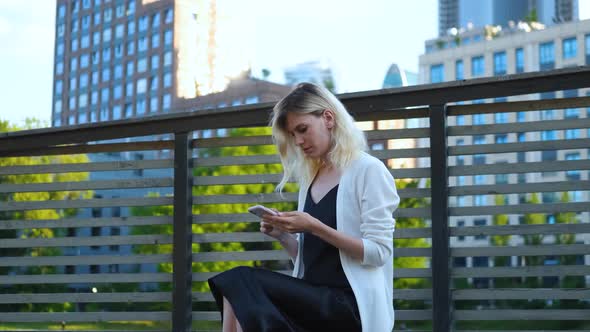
97, 248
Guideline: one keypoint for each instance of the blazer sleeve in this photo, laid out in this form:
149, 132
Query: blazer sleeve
379, 199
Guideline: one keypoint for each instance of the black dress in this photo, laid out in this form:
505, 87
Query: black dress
264, 300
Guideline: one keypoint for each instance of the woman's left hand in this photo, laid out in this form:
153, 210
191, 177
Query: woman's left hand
292, 222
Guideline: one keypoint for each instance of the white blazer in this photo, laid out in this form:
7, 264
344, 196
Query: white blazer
366, 200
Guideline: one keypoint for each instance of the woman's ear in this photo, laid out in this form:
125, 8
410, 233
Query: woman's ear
329, 118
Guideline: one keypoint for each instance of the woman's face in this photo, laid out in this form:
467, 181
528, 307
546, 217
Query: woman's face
311, 133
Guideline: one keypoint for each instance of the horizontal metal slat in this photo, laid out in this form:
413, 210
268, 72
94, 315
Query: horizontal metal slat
518, 106
522, 314
23, 317
519, 209
519, 188
518, 127
505, 168
549, 249
522, 271
565, 144
83, 203
86, 241
521, 294
90, 222
86, 297
87, 185
85, 278
398, 133
85, 260
521, 229
126, 165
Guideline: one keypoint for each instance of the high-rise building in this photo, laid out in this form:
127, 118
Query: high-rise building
119, 59
397, 77
313, 72
466, 13
512, 52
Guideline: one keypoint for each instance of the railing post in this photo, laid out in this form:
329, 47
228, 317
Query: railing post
441, 281
182, 246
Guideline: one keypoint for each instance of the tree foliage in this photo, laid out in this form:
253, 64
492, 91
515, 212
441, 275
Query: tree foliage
46, 214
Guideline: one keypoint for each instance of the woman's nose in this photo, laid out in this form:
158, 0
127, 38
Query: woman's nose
298, 140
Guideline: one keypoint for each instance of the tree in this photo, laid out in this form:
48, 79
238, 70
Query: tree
46, 214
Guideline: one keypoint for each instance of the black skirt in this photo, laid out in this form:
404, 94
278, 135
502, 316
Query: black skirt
265, 301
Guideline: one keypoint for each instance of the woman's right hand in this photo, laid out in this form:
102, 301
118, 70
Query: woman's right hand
269, 230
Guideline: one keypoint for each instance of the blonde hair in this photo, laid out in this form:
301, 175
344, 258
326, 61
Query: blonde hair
348, 141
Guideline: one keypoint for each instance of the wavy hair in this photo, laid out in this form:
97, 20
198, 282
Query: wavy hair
347, 141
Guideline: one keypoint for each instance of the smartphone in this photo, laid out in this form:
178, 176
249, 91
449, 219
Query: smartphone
260, 210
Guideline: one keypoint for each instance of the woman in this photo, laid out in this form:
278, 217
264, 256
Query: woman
340, 238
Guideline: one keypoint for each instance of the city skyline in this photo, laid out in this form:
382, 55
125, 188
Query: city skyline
27, 30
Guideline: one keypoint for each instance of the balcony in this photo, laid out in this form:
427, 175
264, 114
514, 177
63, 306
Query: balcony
124, 221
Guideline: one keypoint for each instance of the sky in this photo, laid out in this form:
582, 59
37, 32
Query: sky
358, 39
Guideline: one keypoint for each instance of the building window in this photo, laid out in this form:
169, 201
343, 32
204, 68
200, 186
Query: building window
547, 56
155, 62
118, 51
500, 63
572, 133
141, 86
479, 119
168, 16
60, 48
130, 66
85, 22
142, 23
501, 139
59, 68
74, 44
575, 174
168, 37
519, 55
82, 118
131, 7
73, 84
437, 73
141, 65
106, 75
117, 91
106, 35
84, 61
166, 101
97, 18
128, 110
479, 223
570, 48
120, 10
167, 80
154, 104
587, 44
85, 41
548, 135
94, 97
155, 40
130, 28
155, 21
168, 58
154, 83
108, 15
106, 54
58, 106
83, 100
142, 44
130, 48
129, 89
140, 106
459, 70
480, 200
94, 77
477, 66
104, 95
61, 10
116, 112
479, 139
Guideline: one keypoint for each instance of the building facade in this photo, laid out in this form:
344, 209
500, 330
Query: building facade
465, 13
122, 59
513, 52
